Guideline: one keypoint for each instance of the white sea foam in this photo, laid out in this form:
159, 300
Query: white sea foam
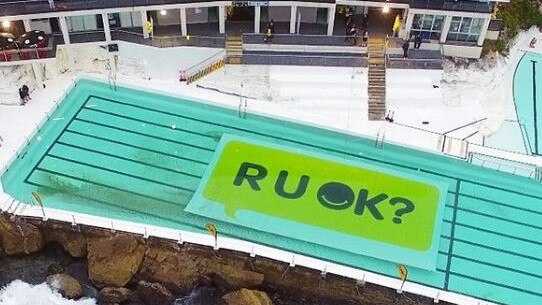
21, 293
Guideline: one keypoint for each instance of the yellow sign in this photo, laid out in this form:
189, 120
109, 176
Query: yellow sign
212, 229
403, 272
37, 198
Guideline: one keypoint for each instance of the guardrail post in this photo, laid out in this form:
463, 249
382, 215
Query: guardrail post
323, 273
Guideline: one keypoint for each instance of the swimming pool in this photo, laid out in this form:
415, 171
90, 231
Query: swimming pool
140, 156
528, 99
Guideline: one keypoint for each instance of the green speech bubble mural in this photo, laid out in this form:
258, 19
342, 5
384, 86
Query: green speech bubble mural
353, 201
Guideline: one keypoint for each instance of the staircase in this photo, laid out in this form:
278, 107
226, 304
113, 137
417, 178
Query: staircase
234, 49
377, 78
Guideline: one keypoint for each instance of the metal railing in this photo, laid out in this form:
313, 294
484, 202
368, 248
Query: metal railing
504, 165
301, 39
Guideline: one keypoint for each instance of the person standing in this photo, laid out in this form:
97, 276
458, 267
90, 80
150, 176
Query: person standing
272, 26
406, 45
417, 42
21, 96
396, 25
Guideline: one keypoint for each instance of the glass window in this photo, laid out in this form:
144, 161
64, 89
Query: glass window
465, 29
427, 26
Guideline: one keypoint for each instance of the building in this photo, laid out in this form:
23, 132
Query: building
456, 28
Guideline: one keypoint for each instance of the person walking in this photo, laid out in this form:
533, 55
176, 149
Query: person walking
417, 42
52, 4
406, 45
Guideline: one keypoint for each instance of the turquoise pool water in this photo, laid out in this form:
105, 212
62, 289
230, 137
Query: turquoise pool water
528, 99
139, 156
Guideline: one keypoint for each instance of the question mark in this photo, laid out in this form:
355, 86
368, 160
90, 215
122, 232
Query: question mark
408, 207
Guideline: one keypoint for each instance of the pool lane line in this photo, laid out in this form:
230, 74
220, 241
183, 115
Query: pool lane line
474, 278
498, 203
56, 139
500, 218
494, 265
144, 134
326, 149
172, 169
108, 170
468, 226
452, 235
137, 147
124, 207
535, 120
109, 186
476, 244
178, 128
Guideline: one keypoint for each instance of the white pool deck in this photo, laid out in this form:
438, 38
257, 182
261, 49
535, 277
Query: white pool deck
332, 98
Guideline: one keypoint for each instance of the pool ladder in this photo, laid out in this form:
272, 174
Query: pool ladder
242, 109
380, 137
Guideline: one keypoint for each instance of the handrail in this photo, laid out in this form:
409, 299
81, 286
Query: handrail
206, 62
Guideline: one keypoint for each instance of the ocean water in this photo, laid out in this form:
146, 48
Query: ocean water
21, 293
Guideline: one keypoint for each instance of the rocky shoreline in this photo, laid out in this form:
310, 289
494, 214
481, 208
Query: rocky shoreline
122, 268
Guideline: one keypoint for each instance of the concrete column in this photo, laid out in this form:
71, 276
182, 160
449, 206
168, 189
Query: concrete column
143, 14
107, 30
257, 19
64, 29
330, 20
66, 36
445, 28
293, 14
184, 29
26, 23
483, 32
408, 26
36, 67
221, 19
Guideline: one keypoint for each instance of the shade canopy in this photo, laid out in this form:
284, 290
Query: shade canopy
32, 39
6, 40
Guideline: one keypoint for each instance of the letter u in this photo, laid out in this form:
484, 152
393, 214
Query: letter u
300, 190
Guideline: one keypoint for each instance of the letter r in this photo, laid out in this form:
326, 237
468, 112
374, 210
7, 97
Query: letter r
252, 179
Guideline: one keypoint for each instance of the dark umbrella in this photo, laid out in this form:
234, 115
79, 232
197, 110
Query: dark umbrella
6, 43
32, 39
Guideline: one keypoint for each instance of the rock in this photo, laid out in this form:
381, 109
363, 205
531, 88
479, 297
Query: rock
235, 278
154, 293
247, 297
19, 237
113, 260
75, 243
181, 268
54, 269
68, 286
178, 268
116, 295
